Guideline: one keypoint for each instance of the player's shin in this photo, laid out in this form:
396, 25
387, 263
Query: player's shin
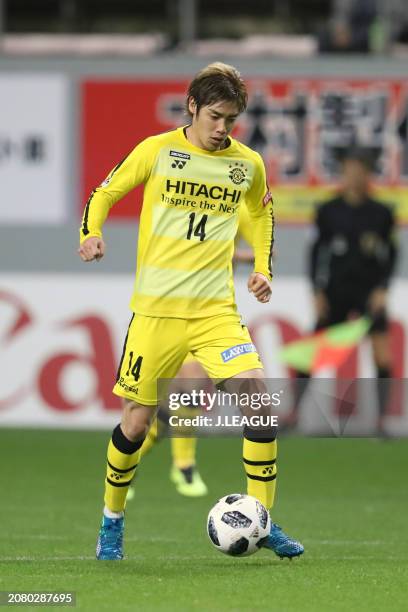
383, 389
259, 457
156, 432
183, 452
150, 440
184, 472
122, 461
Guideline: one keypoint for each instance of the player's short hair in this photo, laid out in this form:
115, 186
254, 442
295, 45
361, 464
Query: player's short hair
366, 156
217, 82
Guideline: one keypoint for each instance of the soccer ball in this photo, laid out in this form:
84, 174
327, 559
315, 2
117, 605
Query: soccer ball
237, 524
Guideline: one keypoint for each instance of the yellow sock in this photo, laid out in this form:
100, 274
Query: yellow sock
123, 458
260, 465
183, 451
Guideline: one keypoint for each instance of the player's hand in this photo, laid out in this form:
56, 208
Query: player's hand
92, 249
260, 286
321, 305
377, 300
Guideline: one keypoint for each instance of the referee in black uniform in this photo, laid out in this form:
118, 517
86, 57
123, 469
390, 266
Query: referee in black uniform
351, 263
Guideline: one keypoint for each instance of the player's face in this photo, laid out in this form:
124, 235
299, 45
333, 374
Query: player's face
356, 175
212, 124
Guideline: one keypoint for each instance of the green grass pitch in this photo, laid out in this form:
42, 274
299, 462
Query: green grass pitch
346, 500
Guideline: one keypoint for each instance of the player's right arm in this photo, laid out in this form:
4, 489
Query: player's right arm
130, 172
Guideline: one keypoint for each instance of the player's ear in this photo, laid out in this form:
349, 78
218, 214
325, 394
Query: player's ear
192, 105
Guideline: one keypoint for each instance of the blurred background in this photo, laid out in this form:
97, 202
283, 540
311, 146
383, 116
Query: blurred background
81, 82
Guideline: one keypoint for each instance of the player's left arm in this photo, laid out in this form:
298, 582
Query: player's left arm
259, 203
378, 296
392, 248
244, 254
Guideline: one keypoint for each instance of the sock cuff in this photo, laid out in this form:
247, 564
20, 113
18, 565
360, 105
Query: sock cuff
122, 444
111, 514
259, 435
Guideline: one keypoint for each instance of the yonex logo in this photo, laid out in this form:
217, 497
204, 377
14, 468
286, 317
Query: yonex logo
180, 159
178, 163
116, 476
236, 351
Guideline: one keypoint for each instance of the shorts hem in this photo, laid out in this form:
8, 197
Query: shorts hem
134, 397
237, 371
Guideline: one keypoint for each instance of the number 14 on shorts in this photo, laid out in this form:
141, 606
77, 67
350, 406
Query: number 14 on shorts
134, 368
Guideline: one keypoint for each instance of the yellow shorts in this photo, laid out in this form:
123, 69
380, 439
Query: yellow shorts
156, 348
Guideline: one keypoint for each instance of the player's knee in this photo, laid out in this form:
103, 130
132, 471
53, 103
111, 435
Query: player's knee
136, 420
135, 430
248, 382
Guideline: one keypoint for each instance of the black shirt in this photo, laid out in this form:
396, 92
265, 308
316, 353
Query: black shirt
355, 248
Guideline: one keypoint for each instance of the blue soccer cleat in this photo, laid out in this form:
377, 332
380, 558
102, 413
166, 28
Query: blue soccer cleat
110, 541
281, 544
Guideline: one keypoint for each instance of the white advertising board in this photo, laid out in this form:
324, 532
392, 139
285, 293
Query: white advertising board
33, 148
61, 338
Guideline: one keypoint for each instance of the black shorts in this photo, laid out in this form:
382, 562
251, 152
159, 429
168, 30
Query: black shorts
344, 306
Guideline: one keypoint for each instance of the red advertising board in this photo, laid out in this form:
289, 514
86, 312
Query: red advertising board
299, 126
116, 115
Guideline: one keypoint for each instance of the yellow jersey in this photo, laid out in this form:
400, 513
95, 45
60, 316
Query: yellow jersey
188, 222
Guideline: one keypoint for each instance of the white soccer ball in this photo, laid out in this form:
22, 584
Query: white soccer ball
237, 524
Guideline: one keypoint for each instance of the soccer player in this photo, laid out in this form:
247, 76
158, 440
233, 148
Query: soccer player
184, 473
352, 261
195, 180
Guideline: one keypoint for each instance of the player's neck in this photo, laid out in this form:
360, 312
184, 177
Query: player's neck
192, 137
189, 133
354, 197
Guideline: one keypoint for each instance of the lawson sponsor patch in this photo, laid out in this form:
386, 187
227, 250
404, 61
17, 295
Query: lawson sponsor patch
237, 350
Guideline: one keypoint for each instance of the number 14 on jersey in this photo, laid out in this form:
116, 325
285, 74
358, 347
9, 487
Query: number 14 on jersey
196, 228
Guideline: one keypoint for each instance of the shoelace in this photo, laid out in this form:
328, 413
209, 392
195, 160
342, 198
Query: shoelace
280, 537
